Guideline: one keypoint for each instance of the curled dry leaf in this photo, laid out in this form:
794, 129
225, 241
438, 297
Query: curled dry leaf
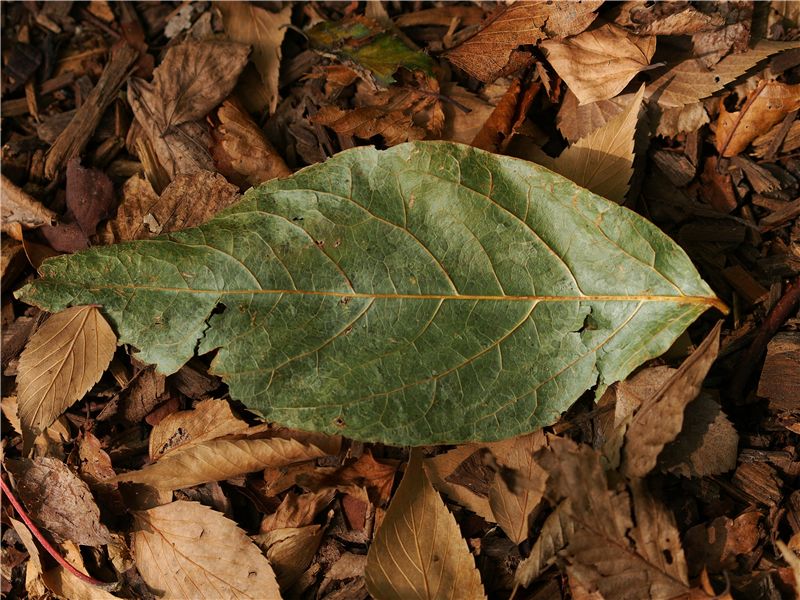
576, 121
395, 126
603, 160
440, 470
220, 459
767, 105
20, 207
598, 64
660, 418
297, 510
241, 151
507, 117
691, 80
61, 362
485, 54
208, 555
264, 31
554, 535
418, 551
58, 500
290, 550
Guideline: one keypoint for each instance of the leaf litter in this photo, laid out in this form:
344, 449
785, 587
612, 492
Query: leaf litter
676, 482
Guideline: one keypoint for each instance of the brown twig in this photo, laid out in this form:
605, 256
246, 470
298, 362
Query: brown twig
43, 540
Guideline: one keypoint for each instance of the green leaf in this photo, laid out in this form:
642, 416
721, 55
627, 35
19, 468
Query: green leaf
430, 293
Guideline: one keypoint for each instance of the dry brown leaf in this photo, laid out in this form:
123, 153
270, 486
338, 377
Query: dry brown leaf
766, 106
691, 80
58, 501
377, 477
440, 469
672, 18
208, 420
208, 555
599, 63
576, 121
193, 78
441, 15
603, 161
241, 151
514, 496
459, 125
20, 207
218, 460
395, 126
507, 117
143, 214
715, 546
418, 551
297, 511
33, 569
61, 362
557, 529
660, 418
66, 585
290, 550
683, 119
485, 54
264, 31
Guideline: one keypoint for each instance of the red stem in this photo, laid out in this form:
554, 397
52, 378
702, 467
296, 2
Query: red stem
43, 540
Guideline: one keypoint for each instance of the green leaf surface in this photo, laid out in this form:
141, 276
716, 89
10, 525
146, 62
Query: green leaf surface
430, 293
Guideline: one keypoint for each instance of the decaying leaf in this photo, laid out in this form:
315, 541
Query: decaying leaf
20, 207
603, 161
507, 117
597, 64
263, 31
441, 469
217, 460
208, 555
297, 510
418, 551
58, 500
691, 80
61, 362
660, 418
765, 106
553, 537
290, 550
485, 55
358, 255
394, 126
144, 214
33, 569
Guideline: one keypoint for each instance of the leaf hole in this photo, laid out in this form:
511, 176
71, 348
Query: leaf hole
668, 556
339, 422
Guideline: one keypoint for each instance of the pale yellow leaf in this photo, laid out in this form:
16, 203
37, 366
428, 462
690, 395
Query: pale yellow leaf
597, 64
220, 459
264, 31
691, 80
418, 551
186, 550
603, 161
60, 363
290, 550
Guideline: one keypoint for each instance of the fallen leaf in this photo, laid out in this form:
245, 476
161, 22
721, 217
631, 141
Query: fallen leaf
297, 510
660, 418
290, 550
394, 126
576, 121
733, 35
717, 188
670, 18
507, 117
264, 31
144, 214
440, 470
765, 106
441, 16
485, 54
366, 472
418, 550
463, 125
90, 195
33, 568
597, 64
241, 151
716, 546
554, 535
682, 119
61, 362
218, 460
58, 500
691, 80
307, 247
20, 207
603, 161
193, 78
208, 555
66, 585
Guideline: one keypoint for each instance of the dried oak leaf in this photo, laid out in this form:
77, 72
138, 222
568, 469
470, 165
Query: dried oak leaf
193, 78
207, 555
418, 551
61, 362
486, 54
765, 106
58, 500
597, 64
264, 31
667, 18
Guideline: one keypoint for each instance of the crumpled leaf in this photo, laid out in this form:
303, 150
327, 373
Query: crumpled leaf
414, 273
20, 207
603, 161
660, 418
193, 78
290, 550
691, 80
263, 30
61, 362
58, 500
765, 106
394, 126
208, 555
485, 54
597, 64
418, 551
